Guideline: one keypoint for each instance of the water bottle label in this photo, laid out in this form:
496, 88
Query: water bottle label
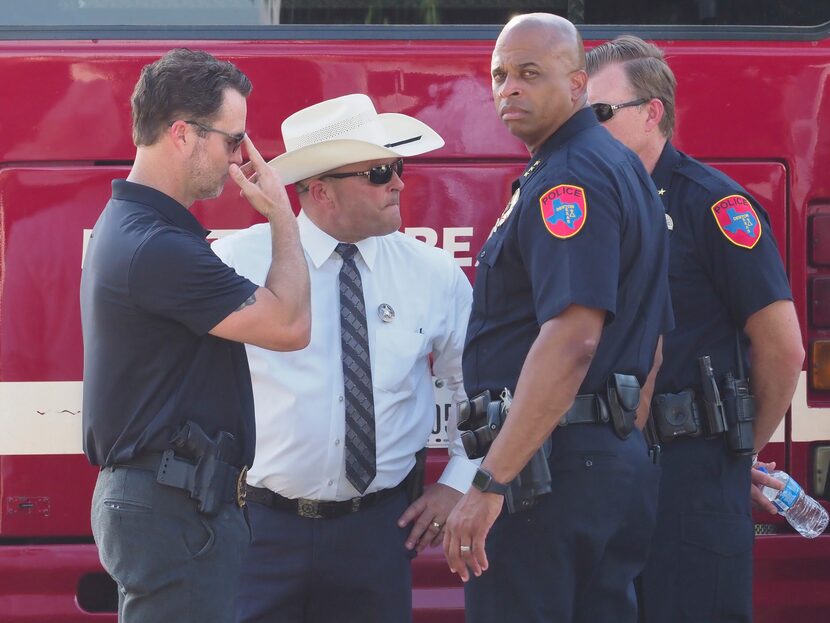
787, 497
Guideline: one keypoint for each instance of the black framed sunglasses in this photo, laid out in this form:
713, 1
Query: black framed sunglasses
379, 175
234, 140
604, 112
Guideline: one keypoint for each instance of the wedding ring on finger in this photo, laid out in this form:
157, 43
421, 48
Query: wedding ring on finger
465, 548
436, 525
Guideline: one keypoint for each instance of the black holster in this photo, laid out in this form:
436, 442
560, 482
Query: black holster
197, 465
479, 421
623, 392
533, 481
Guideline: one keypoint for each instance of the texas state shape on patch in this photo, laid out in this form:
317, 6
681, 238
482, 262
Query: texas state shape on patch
564, 209
738, 220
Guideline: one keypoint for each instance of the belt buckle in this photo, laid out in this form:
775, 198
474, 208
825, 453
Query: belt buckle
241, 487
308, 508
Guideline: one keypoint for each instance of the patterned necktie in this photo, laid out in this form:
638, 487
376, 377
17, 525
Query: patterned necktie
357, 374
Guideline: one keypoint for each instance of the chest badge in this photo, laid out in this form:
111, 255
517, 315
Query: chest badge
506, 213
738, 221
385, 312
564, 210
669, 223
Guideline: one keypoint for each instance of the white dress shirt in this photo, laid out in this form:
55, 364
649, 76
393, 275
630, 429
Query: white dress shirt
298, 396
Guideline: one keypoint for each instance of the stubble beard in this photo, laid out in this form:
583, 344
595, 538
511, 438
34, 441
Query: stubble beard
205, 184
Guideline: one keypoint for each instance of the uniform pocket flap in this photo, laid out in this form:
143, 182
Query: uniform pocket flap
491, 250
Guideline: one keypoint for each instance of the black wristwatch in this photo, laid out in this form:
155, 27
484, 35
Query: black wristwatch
484, 482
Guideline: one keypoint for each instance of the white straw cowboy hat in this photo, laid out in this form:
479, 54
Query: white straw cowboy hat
345, 130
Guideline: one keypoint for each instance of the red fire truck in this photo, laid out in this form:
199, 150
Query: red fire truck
753, 100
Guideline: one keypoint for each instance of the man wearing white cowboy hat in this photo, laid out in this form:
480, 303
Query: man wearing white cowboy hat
340, 422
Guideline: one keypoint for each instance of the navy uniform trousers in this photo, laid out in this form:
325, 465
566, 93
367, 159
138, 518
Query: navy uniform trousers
575, 555
349, 569
700, 568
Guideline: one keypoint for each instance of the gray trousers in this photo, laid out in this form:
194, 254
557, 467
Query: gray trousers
170, 562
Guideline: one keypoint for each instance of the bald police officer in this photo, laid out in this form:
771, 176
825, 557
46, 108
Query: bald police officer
727, 284
570, 298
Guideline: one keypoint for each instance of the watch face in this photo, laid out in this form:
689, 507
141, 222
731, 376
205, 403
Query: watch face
481, 480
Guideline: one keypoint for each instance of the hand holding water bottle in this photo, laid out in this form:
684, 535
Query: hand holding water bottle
803, 513
761, 479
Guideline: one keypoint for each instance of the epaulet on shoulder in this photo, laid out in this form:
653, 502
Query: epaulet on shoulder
717, 183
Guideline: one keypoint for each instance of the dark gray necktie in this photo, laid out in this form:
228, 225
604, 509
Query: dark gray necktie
357, 374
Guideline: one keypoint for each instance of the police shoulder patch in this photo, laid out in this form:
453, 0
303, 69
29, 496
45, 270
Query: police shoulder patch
564, 210
737, 220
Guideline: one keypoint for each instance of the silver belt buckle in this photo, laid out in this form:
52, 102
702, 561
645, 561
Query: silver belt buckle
308, 508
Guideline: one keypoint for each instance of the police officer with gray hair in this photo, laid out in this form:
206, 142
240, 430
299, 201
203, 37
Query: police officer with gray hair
731, 365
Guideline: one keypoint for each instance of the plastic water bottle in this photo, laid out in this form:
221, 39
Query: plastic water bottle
803, 512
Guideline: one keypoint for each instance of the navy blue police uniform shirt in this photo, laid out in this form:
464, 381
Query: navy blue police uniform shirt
724, 266
584, 227
151, 289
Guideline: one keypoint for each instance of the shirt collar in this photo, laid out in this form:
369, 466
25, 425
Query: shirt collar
320, 246
580, 120
167, 207
663, 170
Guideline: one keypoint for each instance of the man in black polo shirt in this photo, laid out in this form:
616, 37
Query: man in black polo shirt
168, 410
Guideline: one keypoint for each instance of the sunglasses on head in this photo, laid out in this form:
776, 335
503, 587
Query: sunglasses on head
604, 112
234, 141
379, 175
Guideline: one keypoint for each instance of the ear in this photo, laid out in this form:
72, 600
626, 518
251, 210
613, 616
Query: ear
177, 133
579, 84
320, 193
655, 111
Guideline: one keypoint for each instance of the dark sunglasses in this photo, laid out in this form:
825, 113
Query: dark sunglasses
234, 140
604, 112
379, 175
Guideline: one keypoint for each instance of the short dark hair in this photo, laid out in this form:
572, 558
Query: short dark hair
646, 68
182, 83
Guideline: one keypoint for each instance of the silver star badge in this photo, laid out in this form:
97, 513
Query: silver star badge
385, 312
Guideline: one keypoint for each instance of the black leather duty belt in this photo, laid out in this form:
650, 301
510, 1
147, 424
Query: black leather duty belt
232, 490
316, 509
586, 409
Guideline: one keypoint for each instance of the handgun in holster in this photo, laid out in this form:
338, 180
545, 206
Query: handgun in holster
532, 482
199, 465
479, 421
